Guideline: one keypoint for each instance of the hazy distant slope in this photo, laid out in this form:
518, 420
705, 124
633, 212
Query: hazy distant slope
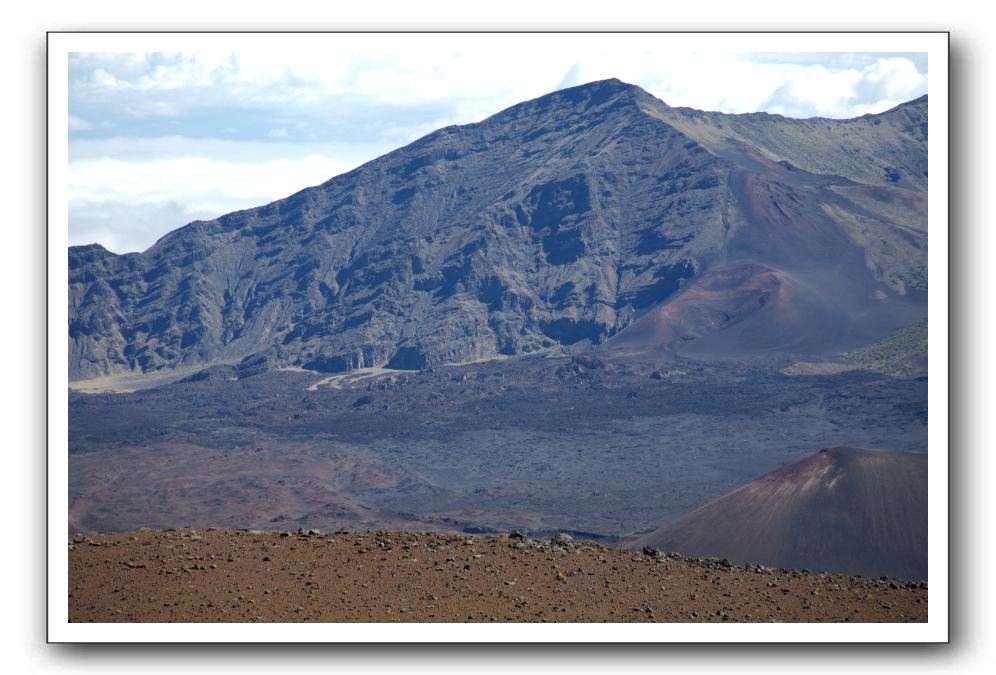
848, 510
887, 148
560, 219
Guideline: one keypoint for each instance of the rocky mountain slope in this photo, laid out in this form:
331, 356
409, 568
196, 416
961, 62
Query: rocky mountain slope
595, 213
847, 510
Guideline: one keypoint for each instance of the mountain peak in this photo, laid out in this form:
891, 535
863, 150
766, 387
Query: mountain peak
597, 91
554, 222
612, 84
583, 97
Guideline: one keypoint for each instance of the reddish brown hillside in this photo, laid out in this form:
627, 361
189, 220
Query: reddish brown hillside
848, 510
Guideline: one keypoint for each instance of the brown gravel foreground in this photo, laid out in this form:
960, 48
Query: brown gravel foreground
248, 576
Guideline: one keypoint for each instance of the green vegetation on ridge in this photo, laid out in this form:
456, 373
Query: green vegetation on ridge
902, 353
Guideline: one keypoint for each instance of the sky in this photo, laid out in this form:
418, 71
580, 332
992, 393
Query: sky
157, 140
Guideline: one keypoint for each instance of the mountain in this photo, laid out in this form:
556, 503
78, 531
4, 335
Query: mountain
593, 214
845, 510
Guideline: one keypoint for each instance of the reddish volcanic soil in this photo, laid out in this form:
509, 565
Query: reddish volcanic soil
716, 299
241, 576
844, 509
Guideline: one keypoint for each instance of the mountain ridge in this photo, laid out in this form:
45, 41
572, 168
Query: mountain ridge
559, 219
921, 100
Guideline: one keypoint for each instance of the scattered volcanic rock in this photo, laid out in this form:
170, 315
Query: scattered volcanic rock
251, 576
845, 510
561, 220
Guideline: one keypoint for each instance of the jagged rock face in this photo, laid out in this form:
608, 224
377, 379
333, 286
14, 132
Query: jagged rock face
558, 220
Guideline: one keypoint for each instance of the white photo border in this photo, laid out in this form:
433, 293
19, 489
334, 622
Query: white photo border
935, 630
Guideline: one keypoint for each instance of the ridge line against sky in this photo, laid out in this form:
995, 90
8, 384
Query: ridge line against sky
157, 140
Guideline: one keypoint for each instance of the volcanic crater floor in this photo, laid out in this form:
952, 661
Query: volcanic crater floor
213, 575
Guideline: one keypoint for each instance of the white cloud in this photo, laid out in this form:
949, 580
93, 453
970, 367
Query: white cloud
734, 84
130, 204
892, 79
152, 108
123, 227
78, 124
217, 131
815, 90
493, 69
145, 150
101, 79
